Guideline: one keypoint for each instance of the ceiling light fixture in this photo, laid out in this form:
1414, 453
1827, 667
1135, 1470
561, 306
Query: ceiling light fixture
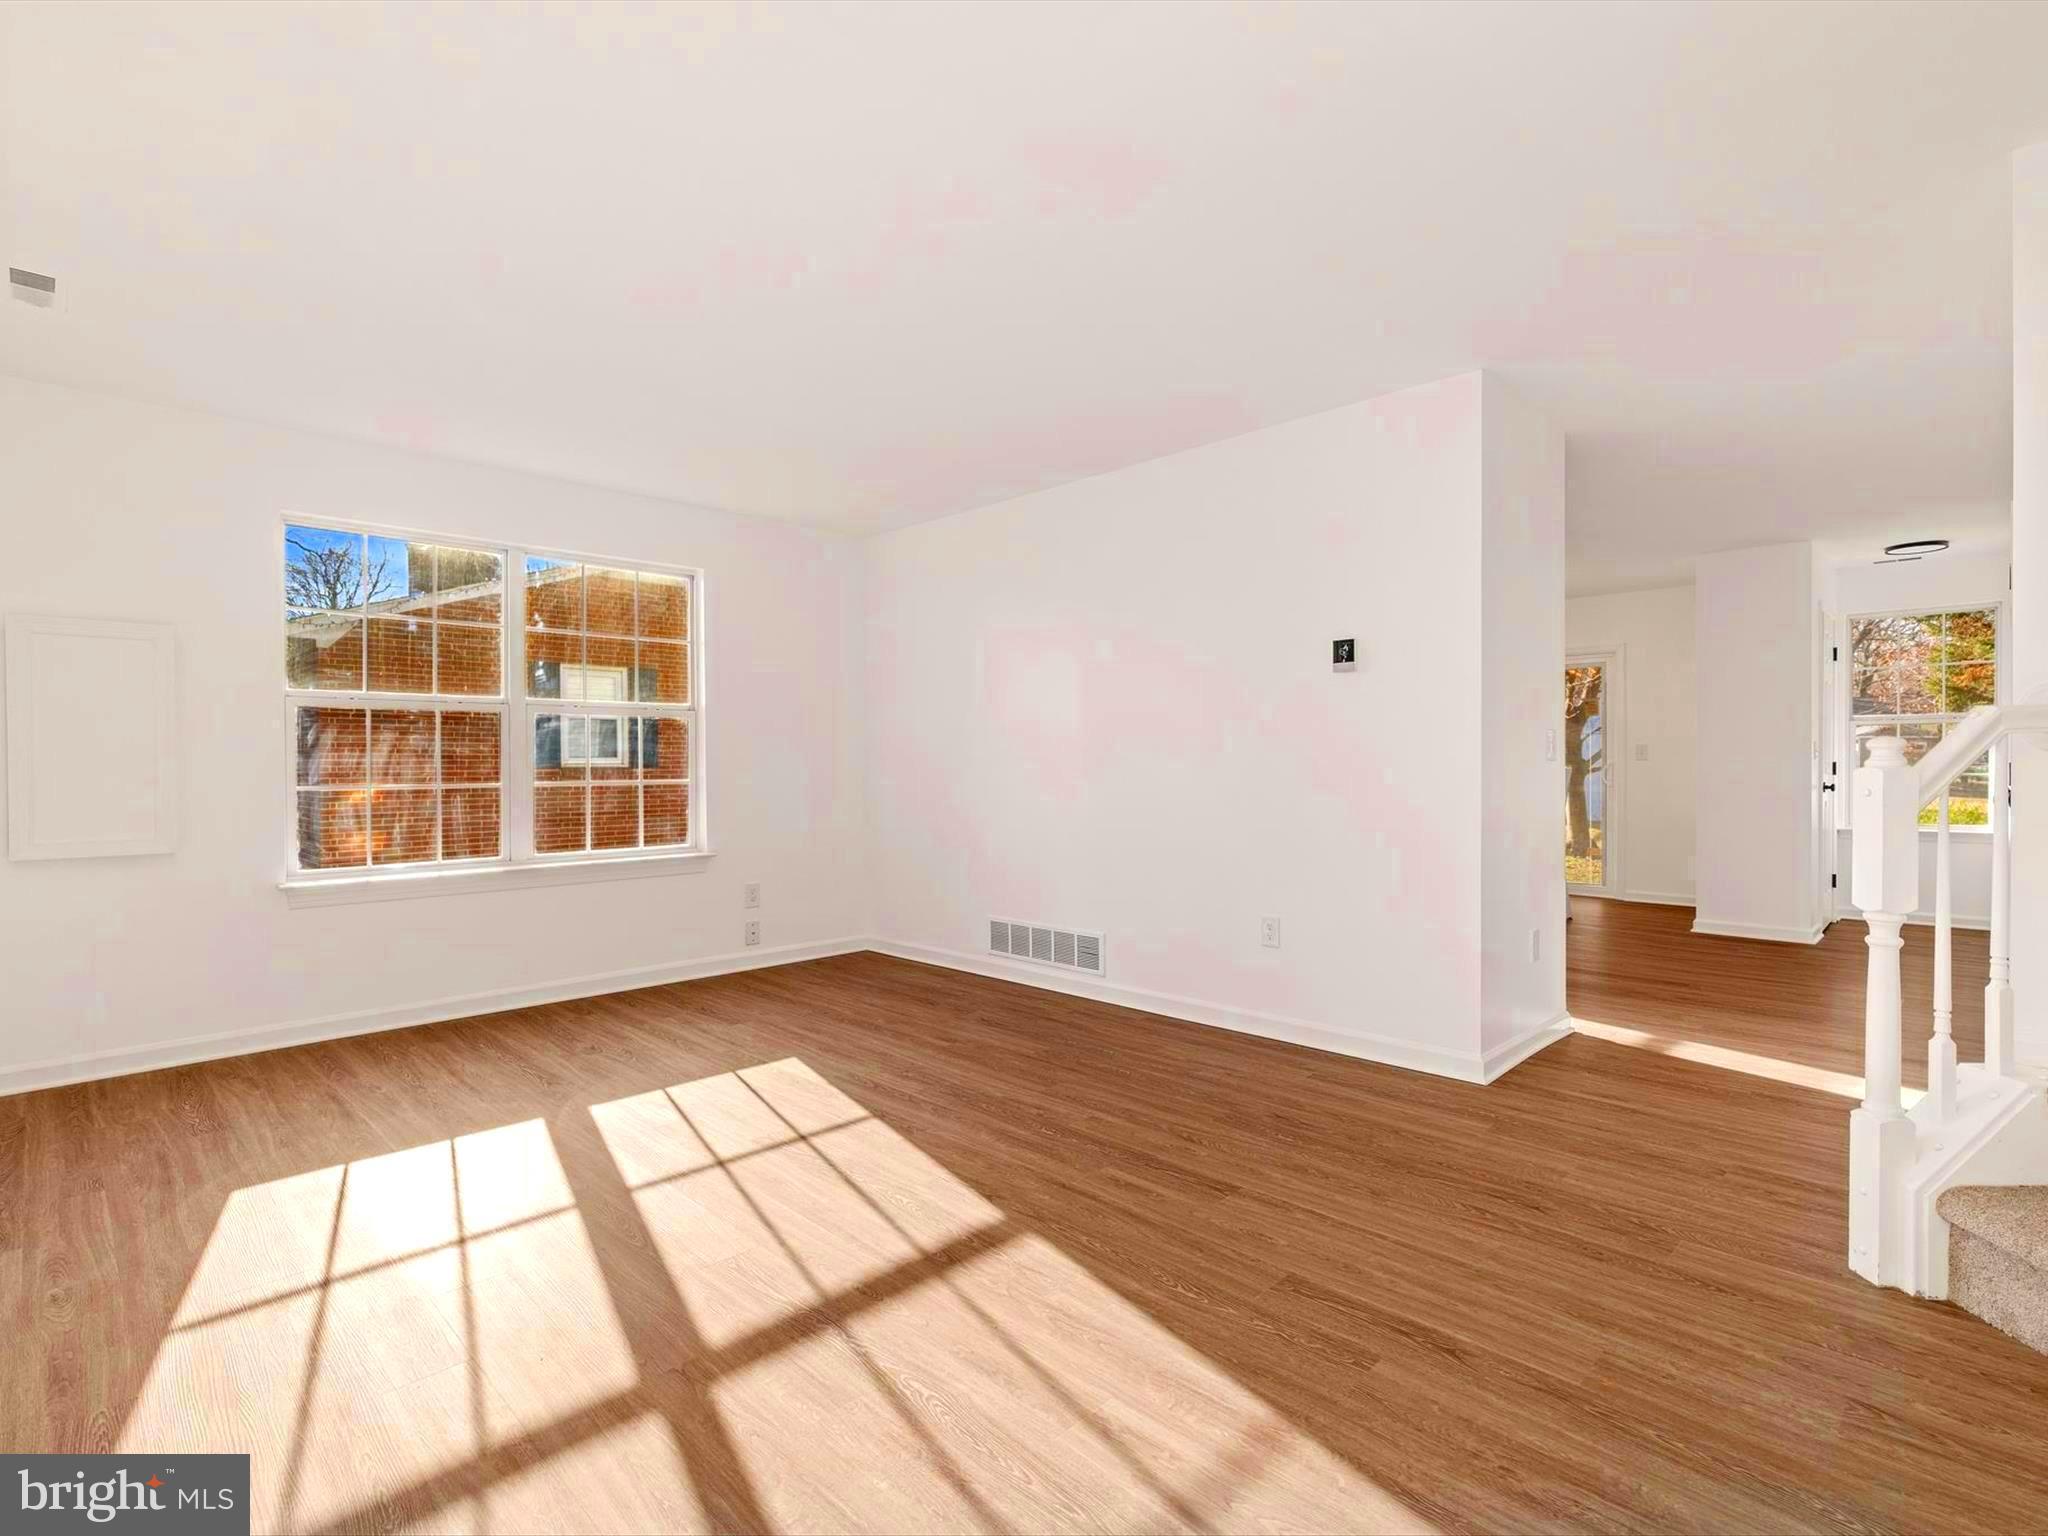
1917, 547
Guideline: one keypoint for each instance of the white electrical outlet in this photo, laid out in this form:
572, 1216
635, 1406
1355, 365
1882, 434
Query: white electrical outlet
1550, 746
750, 896
1269, 932
1642, 751
753, 933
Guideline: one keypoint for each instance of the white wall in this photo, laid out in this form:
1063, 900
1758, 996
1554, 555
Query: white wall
123, 510
2029, 671
1757, 686
1521, 690
1111, 705
1940, 582
1653, 819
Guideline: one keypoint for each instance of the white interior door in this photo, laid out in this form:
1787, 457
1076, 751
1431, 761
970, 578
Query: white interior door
1831, 780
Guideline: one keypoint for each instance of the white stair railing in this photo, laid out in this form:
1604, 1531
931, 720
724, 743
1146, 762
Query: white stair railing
1883, 1140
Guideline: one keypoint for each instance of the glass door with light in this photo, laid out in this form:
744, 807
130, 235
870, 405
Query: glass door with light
1589, 779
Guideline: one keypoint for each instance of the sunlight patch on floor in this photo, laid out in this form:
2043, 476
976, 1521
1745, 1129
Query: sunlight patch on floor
1080, 1409
435, 1298
1795, 1073
630, 1475
780, 1314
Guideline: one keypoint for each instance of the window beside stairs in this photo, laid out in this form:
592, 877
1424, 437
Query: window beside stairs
1913, 675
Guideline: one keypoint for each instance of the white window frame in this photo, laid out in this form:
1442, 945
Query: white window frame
616, 759
529, 709
517, 863
1847, 719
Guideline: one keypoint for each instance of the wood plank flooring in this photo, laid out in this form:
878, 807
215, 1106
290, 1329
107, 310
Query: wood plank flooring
1641, 968
864, 1245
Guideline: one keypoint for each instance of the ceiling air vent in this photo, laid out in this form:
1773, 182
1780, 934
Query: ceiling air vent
1066, 949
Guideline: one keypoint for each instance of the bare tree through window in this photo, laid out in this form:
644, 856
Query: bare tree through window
1585, 755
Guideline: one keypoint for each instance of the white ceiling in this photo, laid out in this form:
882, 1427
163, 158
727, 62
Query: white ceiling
870, 264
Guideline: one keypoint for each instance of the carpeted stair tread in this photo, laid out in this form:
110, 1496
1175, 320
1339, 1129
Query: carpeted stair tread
2011, 1218
2006, 1292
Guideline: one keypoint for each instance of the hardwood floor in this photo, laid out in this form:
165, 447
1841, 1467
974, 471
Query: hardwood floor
1641, 970
864, 1245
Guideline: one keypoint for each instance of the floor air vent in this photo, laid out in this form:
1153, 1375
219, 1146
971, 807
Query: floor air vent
1063, 948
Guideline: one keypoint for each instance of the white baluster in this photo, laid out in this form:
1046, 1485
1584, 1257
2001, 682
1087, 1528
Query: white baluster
1886, 878
1883, 1011
1941, 1048
1887, 886
1998, 1039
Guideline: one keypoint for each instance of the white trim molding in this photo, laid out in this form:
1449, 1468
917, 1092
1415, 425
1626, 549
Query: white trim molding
455, 880
93, 1065
1647, 898
1387, 1052
1977, 921
1759, 931
1505, 1057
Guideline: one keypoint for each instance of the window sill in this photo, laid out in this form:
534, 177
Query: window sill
350, 889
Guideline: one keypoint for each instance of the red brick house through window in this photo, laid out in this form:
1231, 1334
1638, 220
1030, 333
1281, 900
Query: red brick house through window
396, 661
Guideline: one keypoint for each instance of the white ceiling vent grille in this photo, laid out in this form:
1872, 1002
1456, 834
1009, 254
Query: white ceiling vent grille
1066, 949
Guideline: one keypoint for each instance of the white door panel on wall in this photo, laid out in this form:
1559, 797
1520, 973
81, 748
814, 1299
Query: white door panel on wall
91, 749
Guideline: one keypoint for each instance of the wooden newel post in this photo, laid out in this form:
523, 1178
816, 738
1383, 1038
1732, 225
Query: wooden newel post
1886, 885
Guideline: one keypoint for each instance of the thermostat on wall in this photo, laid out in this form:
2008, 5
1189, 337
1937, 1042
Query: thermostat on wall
1343, 655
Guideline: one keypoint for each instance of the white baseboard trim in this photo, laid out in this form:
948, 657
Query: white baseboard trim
91, 1066
1648, 898
1758, 931
1922, 919
193, 1049
1503, 1058
1364, 1047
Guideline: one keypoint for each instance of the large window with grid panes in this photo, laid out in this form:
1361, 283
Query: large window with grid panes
1913, 676
467, 704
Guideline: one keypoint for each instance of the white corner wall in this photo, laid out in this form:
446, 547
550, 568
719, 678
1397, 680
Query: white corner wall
2028, 673
1522, 703
1654, 832
1754, 831
1111, 705
122, 510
